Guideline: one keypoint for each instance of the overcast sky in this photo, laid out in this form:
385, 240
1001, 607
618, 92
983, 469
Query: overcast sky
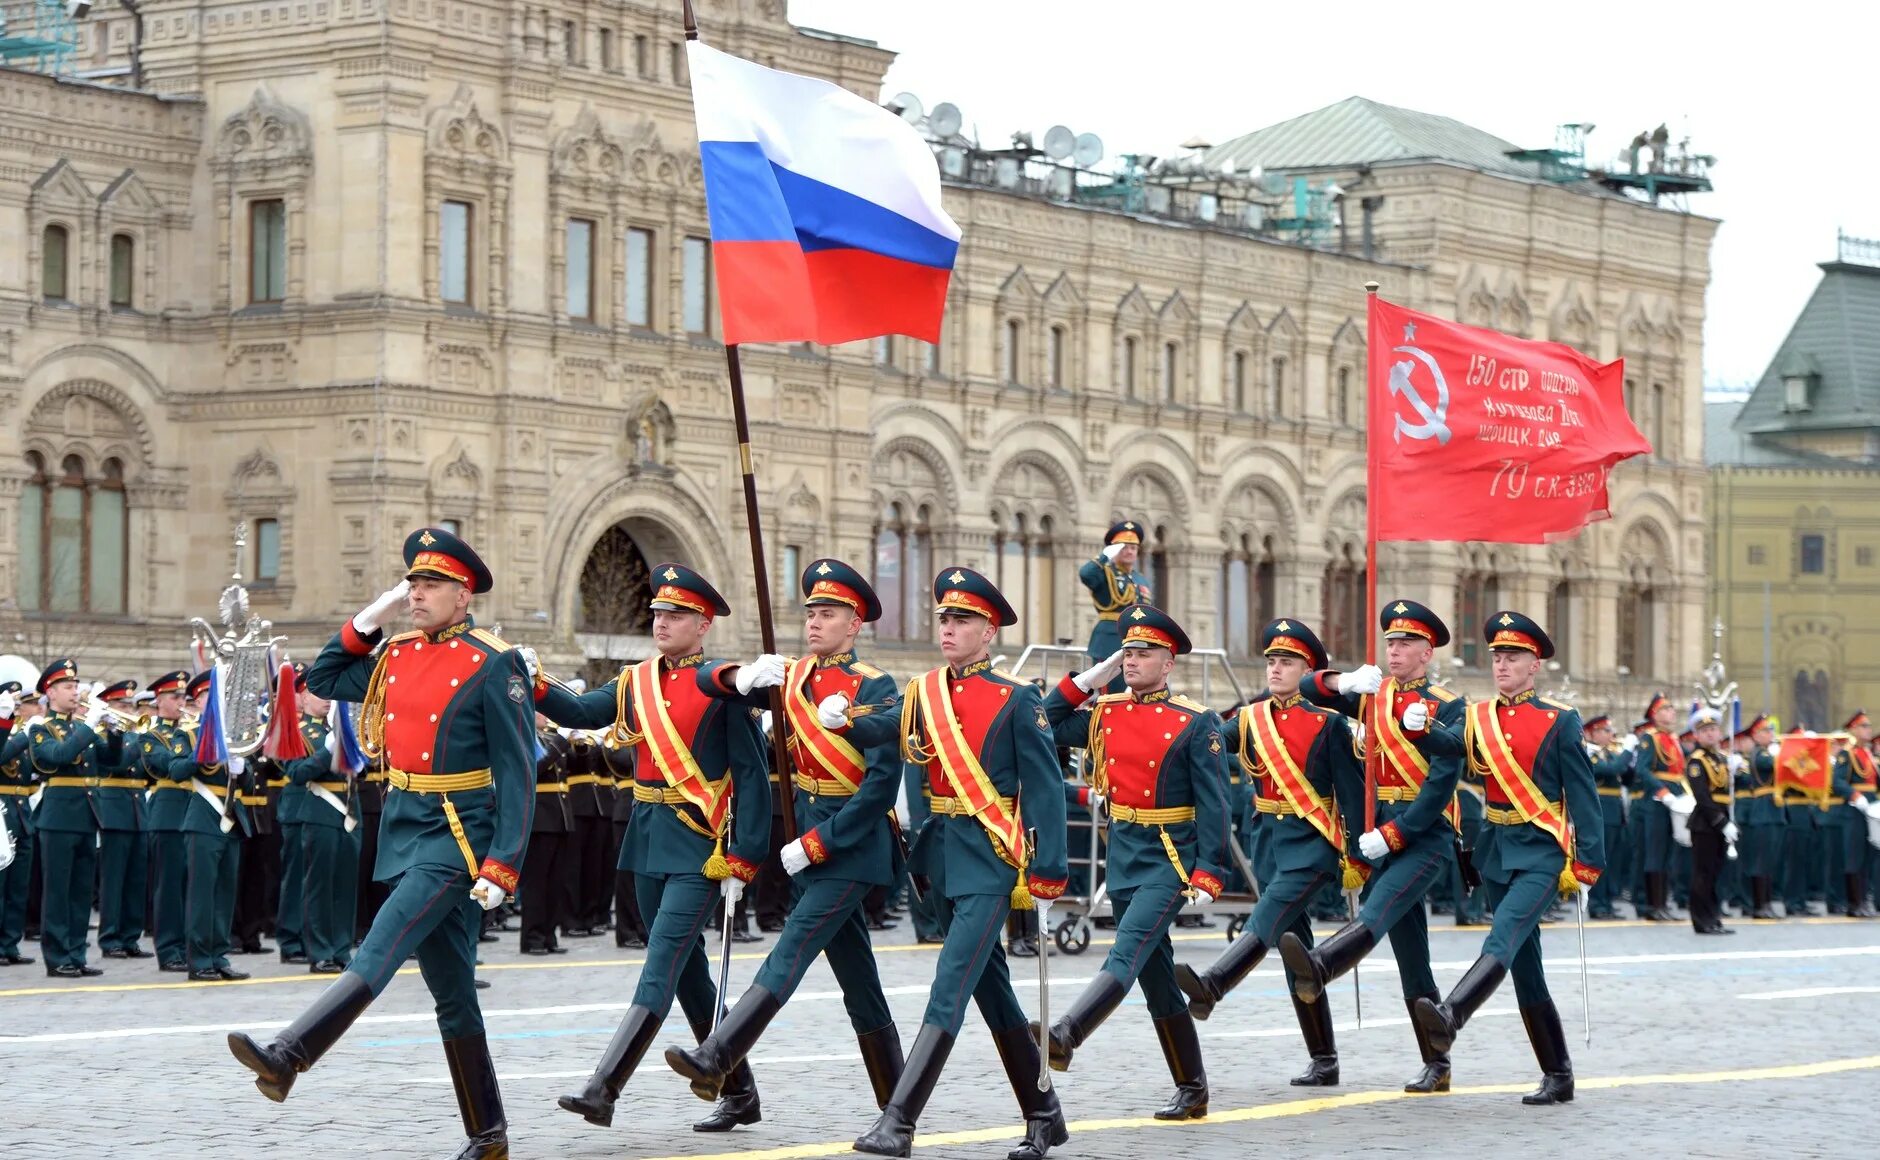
1763, 91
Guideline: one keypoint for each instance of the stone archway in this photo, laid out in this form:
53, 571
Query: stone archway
612, 623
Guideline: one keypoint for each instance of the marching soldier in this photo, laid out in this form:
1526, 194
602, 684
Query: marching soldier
843, 720
447, 705
16, 788
1416, 727
1156, 764
1307, 789
168, 801
67, 755
986, 747
1759, 815
329, 839
1115, 585
702, 818
1612, 774
213, 823
1542, 839
1856, 766
1709, 772
1658, 768
544, 902
123, 851
290, 819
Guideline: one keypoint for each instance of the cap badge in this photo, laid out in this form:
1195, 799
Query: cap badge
427, 539
1401, 608
1137, 615
1282, 626
957, 578
823, 569
671, 575
1506, 620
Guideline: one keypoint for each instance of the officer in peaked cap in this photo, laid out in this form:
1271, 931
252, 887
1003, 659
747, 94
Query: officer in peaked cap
69, 757
1612, 773
165, 740
1114, 585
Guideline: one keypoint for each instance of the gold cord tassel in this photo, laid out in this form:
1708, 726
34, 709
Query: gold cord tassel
1568, 883
1021, 894
1352, 878
716, 867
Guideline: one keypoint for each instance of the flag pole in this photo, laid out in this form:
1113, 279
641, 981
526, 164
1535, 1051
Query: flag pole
766, 624
1371, 752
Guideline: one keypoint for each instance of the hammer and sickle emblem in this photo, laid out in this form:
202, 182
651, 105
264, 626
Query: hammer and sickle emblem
1434, 421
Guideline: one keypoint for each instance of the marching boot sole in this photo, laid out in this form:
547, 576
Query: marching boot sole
601, 1115
1059, 1134
706, 1085
1307, 983
272, 1081
1200, 1004
1546, 1099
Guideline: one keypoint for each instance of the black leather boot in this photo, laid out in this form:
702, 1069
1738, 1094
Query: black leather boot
1550, 1047
304, 1041
706, 1064
1760, 892
737, 1094
1044, 1119
479, 1101
1435, 1074
1857, 905
595, 1102
1441, 1021
1315, 1023
893, 1132
1206, 988
1313, 968
1181, 1047
881, 1055
1098, 1000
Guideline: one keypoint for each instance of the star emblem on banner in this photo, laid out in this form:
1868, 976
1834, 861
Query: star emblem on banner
1409, 332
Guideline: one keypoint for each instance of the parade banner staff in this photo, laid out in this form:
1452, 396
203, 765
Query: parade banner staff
448, 707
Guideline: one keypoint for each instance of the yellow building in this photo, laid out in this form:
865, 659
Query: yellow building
1795, 508
345, 267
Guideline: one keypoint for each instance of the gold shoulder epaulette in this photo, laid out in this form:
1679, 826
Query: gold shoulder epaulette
866, 669
1442, 694
1005, 676
1108, 698
490, 640
404, 636
1184, 702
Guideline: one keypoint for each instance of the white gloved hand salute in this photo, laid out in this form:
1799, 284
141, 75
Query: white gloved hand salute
1100, 674
833, 711
1361, 680
1112, 551
1416, 716
766, 672
1630, 743
373, 616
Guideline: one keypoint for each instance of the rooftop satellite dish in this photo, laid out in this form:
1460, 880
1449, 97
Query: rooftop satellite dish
907, 106
1088, 150
1058, 142
945, 119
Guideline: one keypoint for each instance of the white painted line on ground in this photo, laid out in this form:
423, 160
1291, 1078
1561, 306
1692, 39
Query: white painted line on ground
755, 1060
1811, 993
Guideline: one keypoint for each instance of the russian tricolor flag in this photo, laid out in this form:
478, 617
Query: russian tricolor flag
825, 210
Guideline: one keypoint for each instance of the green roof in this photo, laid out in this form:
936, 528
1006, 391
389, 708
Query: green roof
1835, 340
1357, 131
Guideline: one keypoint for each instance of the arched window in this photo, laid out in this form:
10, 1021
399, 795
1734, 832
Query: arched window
1636, 627
123, 265
1027, 573
1160, 581
1811, 700
54, 250
1237, 382
1661, 445
73, 537
1341, 397
1342, 610
1128, 368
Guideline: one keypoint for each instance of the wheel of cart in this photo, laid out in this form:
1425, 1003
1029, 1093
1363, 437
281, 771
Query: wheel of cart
1072, 936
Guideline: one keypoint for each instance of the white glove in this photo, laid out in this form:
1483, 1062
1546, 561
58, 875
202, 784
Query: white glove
332, 744
1857, 800
1684, 804
763, 722
1112, 551
1100, 674
1737, 763
1361, 680
1775, 749
1202, 897
766, 672
1629, 743
8, 703
530, 662
1042, 907
1372, 845
1872, 809
1591, 749
367, 620
732, 888
1096, 803
1730, 832
488, 895
1416, 716
94, 713
833, 711
237, 765
795, 858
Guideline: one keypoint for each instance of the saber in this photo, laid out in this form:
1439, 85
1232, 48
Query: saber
724, 947
1586, 994
1357, 988
1044, 997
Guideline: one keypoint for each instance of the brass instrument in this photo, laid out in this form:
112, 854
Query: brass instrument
126, 721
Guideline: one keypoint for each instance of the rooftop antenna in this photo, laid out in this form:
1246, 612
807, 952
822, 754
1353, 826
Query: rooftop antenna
945, 120
907, 106
1059, 141
1088, 150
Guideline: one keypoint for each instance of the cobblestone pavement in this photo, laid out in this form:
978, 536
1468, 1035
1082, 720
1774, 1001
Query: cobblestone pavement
1757, 1045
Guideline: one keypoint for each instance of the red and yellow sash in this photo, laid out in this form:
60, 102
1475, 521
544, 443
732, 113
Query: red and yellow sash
1866, 774
1485, 740
1381, 722
671, 755
1277, 760
961, 768
834, 757
1669, 753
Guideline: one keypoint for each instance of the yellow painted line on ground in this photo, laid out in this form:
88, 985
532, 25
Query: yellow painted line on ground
1288, 1108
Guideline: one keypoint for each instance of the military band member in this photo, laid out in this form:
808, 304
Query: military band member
701, 819
123, 851
544, 903
1114, 584
291, 809
1543, 839
1759, 815
329, 840
1856, 766
67, 755
1612, 774
1416, 727
1709, 772
1308, 790
164, 741
1658, 767
991, 767
214, 820
447, 705
1157, 764
843, 718
17, 785
258, 886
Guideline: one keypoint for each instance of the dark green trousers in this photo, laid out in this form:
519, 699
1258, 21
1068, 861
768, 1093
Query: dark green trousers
123, 867
1143, 954
972, 964
69, 872
329, 862
1514, 939
15, 883
430, 914
827, 919
290, 915
209, 899
1393, 904
171, 862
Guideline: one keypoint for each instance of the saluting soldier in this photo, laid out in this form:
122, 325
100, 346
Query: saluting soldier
17, 785
991, 766
544, 903
1416, 727
1612, 775
1308, 793
67, 755
1856, 766
1543, 839
702, 817
1157, 765
214, 820
447, 705
329, 839
1658, 767
843, 722
1114, 584
1759, 815
123, 851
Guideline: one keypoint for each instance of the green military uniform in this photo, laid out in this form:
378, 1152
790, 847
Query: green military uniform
67, 756
1543, 835
123, 847
329, 852
449, 710
678, 853
1658, 770
1157, 762
166, 802
846, 780
214, 820
986, 744
16, 814
1113, 589
1612, 776
1762, 821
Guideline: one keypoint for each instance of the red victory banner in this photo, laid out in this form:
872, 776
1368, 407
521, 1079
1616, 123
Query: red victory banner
1805, 765
1475, 435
